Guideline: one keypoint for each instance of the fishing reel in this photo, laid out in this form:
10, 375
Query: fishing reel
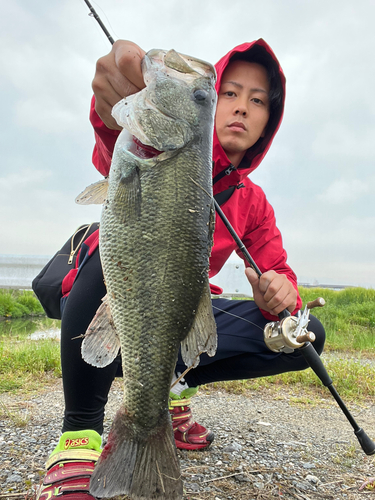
291, 332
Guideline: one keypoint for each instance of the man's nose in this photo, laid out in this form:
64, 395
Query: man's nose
241, 112
240, 109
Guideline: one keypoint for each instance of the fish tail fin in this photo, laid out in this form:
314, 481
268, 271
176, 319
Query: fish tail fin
144, 467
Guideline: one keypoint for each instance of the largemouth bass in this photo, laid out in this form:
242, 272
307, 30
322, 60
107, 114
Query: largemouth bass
155, 241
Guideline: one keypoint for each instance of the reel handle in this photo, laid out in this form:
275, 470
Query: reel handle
319, 302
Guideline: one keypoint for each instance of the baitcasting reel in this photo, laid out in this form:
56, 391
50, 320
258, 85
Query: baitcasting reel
291, 332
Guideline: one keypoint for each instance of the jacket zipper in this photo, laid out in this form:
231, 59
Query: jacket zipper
223, 173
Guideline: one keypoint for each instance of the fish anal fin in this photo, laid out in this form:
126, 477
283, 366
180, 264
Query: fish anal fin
202, 336
95, 194
101, 343
138, 464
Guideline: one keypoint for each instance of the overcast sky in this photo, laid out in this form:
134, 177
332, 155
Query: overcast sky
319, 174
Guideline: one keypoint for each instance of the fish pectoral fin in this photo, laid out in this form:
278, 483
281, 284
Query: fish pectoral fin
202, 336
128, 195
95, 194
101, 343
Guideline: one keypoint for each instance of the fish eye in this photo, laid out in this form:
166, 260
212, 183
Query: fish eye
200, 95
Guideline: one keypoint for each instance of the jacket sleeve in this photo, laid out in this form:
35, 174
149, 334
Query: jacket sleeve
263, 240
105, 139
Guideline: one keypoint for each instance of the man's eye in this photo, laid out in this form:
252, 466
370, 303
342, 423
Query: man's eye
257, 101
229, 93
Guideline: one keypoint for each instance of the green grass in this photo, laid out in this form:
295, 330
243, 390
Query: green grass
24, 363
348, 317
19, 303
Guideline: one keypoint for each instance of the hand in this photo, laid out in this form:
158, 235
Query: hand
118, 74
272, 292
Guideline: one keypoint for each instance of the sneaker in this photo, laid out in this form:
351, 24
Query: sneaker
188, 435
70, 466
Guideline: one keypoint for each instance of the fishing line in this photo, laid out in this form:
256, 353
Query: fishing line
239, 317
94, 14
108, 21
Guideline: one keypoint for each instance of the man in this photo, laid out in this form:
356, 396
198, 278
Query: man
251, 93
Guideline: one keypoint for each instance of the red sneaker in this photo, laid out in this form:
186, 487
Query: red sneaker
68, 474
70, 467
188, 435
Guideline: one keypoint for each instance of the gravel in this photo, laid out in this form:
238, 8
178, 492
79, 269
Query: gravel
265, 446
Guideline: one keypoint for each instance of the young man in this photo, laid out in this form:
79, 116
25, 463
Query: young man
251, 92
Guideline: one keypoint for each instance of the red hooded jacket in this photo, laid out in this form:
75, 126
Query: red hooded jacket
247, 209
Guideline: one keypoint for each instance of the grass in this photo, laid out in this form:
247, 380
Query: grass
348, 317
24, 364
19, 303
18, 417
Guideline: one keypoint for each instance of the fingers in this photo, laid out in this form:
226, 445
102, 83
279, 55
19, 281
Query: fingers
128, 57
117, 75
252, 276
272, 292
278, 292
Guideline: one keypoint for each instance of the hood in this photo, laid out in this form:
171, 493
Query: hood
225, 175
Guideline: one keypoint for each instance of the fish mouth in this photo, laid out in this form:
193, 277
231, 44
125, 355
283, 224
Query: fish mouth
143, 151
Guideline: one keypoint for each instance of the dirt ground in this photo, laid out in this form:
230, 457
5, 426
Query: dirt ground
268, 444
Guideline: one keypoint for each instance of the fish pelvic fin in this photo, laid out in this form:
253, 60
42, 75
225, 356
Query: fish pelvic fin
95, 194
202, 336
143, 466
101, 344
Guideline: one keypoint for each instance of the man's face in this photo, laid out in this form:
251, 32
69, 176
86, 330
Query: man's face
242, 111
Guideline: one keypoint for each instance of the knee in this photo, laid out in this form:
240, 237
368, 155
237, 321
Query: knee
317, 328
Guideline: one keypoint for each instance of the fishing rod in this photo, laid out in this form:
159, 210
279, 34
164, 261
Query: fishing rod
290, 332
94, 14
284, 337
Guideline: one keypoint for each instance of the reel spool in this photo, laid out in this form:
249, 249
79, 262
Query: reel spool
285, 336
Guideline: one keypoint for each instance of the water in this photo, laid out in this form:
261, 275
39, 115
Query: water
34, 328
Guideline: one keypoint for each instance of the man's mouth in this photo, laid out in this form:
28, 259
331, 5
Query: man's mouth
237, 126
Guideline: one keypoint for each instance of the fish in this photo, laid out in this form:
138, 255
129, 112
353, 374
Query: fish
155, 239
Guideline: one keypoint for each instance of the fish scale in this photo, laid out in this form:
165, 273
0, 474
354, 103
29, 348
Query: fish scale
140, 322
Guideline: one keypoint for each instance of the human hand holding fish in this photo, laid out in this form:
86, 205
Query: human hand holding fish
118, 75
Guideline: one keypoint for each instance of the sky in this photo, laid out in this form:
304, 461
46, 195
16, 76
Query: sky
319, 174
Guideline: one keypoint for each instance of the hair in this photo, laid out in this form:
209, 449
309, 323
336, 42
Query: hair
258, 54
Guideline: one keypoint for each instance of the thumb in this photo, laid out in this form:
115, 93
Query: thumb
252, 277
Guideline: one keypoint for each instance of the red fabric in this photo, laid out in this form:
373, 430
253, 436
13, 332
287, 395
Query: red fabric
247, 209
92, 243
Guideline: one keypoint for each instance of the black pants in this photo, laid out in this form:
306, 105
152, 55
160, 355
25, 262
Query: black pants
241, 353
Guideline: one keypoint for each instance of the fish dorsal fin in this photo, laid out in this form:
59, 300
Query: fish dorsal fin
95, 194
101, 343
202, 336
174, 61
